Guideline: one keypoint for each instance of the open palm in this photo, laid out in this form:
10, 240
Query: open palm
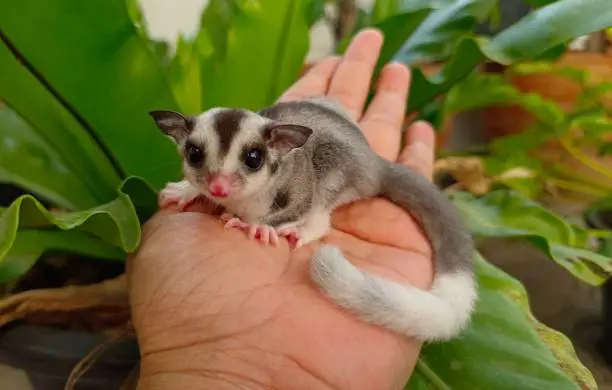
210, 305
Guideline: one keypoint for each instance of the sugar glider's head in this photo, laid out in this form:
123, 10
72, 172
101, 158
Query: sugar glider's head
230, 153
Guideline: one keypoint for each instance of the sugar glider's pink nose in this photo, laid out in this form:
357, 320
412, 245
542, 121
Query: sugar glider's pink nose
219, 185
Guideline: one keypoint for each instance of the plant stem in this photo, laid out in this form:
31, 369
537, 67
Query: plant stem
599, 233
577, 176
428, 373
583, 158
576, 187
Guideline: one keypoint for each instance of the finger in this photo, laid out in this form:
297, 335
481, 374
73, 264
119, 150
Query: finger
382, 122
419, 150
314, 82
351, 81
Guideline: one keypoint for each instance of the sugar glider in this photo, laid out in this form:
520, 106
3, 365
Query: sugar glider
281, 171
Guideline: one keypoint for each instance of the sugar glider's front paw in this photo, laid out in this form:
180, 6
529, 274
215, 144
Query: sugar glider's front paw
292, 235
181, 193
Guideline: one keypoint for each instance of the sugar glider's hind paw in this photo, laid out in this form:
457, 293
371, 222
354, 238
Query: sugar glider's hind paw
293, 237
314, 227
295, 242
263, 233
181, 193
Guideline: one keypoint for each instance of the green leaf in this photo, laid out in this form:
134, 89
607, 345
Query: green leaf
528, 179
142, 195
439, 33
115, 223
216, 21
602, 204
28, 161
424, 89
92, 55
539, 3
183, 73
107, 231
541, 33
520, 144
504, 346
384, 9
547, 27
578, 75
483, 90
316, 11
593, 126
135, 12
505, 213
605, 149
268, 46
44, 149
30, 245
396, 29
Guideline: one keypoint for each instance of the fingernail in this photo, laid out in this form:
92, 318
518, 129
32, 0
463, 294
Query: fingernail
367, 30
421, 122
396, 62
395, 67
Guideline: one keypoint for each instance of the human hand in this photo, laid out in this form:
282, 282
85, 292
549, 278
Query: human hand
213, 308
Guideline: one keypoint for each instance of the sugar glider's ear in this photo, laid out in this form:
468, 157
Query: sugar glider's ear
286, 137
173, 124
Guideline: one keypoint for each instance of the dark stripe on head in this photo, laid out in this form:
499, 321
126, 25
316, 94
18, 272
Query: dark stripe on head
227, 124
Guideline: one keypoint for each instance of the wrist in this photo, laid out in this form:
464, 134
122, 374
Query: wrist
221, 367
197, 367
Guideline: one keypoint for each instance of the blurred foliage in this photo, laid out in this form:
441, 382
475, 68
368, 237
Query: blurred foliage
79, 77
562, 149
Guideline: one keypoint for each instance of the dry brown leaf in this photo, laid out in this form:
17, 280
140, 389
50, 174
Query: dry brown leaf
469, 172
515, 173
111, 293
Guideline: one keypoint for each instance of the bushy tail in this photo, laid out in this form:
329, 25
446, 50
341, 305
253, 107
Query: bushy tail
438, 314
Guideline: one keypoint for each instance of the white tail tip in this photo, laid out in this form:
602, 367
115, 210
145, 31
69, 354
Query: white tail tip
435, 315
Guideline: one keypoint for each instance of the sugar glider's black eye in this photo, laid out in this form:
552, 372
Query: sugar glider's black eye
194, 155
253, 158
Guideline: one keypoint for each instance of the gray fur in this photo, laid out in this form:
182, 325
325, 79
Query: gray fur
347, 169
336, 166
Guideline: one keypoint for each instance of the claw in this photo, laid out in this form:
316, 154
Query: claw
265, 234
235, 223
292, 238
180, 193
166, 199
270, 235
227, 216
185, 204
274, 237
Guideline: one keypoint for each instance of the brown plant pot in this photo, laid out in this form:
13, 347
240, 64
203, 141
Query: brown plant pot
511, 119
505, 120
